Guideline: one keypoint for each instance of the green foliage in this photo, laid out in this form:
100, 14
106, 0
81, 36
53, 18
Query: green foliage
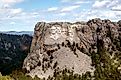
106, 68
20, 75
5, 77
69, 75
13, 51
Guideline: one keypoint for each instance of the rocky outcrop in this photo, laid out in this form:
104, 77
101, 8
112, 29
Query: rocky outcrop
13, 50
62, 45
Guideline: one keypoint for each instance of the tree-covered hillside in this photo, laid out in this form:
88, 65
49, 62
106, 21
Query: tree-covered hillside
13, 50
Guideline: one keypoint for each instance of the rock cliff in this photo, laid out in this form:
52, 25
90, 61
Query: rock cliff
62, 45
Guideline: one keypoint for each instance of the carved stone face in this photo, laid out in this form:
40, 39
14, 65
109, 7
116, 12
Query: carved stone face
72, 32
55, 32
58, 34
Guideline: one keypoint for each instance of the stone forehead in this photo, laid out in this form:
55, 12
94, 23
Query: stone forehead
61, 26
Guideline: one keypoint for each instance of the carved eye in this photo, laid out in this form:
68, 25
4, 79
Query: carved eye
59, 31
53, 33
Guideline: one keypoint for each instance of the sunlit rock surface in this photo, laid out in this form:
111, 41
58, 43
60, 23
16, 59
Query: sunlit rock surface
63, 45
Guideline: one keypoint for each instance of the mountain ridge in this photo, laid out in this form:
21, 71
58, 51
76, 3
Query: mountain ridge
57, 46
18, 32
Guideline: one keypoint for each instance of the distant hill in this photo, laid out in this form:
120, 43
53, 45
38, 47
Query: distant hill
30, 33
13, 50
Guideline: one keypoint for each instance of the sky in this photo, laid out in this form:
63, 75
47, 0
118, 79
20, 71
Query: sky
22, 15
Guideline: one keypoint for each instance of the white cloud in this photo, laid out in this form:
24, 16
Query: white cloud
12, 23
69, 8
81, 2
62, 14
6, 6
52, 9
108, 14
116, 8
10, 12
34, 13
100, 4
8, 3
16, 11
11, 1
113, 3
103, 14
7, 10
65, 1
106, 4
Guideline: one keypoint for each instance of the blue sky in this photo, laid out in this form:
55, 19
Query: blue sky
22, 15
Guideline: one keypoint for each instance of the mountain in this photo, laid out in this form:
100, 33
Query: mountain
63, 51
13, 51
90, 49
18, 33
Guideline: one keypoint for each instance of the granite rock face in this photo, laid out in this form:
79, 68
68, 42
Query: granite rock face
63, 45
